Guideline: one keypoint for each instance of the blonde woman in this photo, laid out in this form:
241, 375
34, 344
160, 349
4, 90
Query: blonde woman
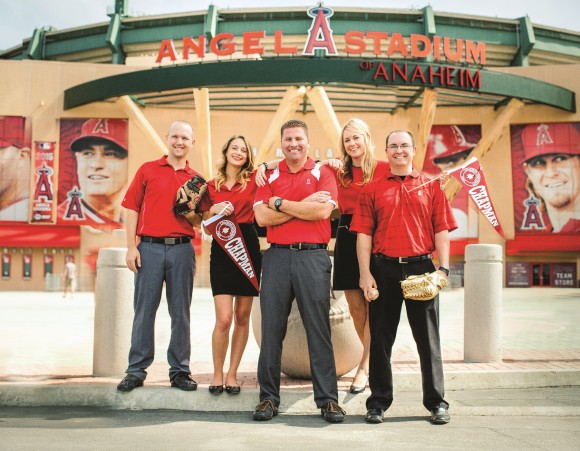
359, 167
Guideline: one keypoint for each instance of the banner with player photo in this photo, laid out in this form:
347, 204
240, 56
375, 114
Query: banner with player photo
448, 147
43, 201
15, 144
546, 177
471, 177
93, 172
225, 230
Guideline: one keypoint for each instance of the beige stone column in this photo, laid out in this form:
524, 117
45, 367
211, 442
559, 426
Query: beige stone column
113, 313
483, 303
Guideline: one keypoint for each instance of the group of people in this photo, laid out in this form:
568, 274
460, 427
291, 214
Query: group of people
392, 220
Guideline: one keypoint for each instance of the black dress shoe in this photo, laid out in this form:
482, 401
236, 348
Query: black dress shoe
265, 411
233, 389
216, 389
184, 382
440, 415
332, 412
375, 416
129, 382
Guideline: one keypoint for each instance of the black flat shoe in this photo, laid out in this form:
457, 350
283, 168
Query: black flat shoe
354, 389
216, 389
233, 389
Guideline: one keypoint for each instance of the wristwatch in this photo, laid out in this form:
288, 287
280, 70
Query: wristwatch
444, 269
278, 203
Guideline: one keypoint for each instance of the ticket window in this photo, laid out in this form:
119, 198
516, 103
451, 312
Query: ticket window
541, 275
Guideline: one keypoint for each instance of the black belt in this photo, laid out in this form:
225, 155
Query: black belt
168, 240
418, 258
300, 246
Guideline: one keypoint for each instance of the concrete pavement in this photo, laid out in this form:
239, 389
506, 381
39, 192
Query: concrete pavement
46, 359
91, 428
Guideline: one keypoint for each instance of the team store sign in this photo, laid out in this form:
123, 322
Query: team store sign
320, 38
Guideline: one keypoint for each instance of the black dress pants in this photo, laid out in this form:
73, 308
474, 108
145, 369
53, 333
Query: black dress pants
384, 316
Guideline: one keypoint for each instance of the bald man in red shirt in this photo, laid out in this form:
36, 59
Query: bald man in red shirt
400, 220
295, 207
159, 252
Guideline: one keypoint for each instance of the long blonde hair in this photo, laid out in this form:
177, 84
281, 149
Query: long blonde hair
245, 173
369, 162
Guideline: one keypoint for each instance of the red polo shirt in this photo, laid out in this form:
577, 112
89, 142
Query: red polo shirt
296, 186
348, 195
152, 194
403, 223
241, 199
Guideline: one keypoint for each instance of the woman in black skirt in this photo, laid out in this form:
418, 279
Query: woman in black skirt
232, 192
359, 167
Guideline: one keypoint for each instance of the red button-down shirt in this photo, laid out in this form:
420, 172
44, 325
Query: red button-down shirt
403, 223
152, 194
348, 195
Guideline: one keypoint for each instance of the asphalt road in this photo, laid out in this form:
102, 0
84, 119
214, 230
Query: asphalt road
62, 428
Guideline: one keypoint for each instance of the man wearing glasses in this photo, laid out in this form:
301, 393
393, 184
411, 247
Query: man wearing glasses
401, 219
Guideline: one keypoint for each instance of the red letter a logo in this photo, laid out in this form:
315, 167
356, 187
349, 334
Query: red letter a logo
320, 33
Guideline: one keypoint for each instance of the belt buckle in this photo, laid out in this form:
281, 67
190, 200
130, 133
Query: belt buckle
296, 247
170, 240
403, 260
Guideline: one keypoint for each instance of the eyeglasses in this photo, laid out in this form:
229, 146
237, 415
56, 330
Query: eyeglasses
404, 146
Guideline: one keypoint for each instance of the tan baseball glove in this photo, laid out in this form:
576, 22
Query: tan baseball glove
423, 287
189, 195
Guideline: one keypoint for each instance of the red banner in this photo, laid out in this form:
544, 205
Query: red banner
226, 232
43, 196
471, 177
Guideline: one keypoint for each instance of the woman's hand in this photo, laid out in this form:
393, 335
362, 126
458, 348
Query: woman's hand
223, 208
319, 196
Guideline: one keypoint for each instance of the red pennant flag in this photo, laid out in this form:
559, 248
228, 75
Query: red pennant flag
226, 232
470, 175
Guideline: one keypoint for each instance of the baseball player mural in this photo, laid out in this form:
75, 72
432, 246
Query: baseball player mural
546, 176
448, 147
93, 172
15, 145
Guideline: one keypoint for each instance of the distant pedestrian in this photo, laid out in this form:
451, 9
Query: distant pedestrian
70, 278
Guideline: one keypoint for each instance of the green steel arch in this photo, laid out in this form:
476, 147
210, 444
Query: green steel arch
496, 87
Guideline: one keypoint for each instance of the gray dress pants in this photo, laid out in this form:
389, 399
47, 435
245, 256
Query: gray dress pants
304, 275
174, 265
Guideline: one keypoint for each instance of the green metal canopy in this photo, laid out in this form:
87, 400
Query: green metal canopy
351, 83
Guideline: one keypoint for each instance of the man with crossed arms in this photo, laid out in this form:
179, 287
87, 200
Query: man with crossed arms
295, 206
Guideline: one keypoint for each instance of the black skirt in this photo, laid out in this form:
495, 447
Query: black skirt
346, 271
225, 276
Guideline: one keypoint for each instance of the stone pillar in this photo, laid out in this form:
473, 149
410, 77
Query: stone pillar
483, 303
114, 290
295, 360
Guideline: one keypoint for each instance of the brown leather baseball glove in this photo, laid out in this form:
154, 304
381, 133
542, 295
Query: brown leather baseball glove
189, 195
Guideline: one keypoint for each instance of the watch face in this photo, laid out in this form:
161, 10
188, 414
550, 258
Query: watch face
277, 203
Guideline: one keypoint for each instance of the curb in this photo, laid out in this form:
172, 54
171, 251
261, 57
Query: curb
300, 401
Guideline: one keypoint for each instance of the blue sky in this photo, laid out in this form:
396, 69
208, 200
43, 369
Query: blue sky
19, 18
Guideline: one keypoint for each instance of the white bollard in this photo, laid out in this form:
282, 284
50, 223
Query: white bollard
483, 303
113, 313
